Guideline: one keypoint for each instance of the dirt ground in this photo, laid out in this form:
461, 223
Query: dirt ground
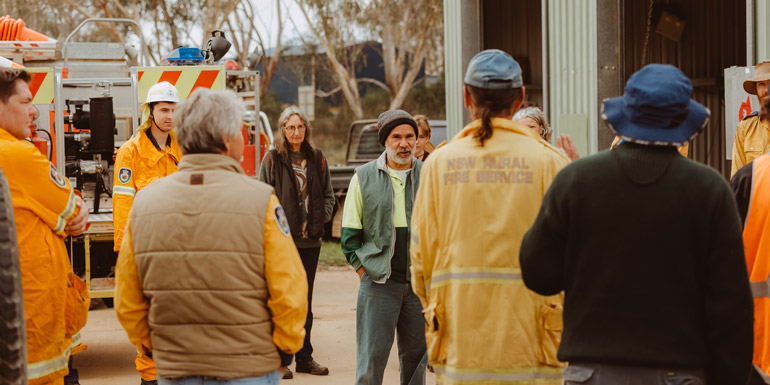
110, 357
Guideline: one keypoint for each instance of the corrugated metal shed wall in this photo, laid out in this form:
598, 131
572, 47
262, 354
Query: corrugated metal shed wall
572, 70
462, 40
515, 26
714, 38
453, 67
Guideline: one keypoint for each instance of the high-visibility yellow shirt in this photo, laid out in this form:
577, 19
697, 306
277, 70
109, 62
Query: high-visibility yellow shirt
43, 202
752, 139
139, 163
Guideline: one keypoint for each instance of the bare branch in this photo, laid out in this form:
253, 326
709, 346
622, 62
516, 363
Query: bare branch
376, 83
323, 94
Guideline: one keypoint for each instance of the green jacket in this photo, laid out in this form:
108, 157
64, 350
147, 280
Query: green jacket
371, 215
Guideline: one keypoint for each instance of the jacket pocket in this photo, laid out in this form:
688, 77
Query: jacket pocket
549, 330
435, 333
77, 304
576, 374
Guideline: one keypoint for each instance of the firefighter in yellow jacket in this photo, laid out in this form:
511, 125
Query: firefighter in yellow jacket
45, 210
478, 196
148, 156
752, 138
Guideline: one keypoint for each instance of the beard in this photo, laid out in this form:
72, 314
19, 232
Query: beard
393, 155
764, 108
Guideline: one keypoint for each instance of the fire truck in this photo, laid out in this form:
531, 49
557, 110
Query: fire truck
88, 94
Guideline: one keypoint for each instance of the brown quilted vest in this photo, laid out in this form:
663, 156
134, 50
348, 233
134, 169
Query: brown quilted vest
198, 240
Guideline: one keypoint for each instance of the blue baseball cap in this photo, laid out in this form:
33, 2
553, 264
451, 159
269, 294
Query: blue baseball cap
657, 108
493, 69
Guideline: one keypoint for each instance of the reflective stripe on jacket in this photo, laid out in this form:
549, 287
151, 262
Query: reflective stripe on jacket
475, 203
138, 164
752, 139
43, 202
756, 242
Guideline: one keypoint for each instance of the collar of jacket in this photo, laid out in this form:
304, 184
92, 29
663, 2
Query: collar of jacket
5, 135
498, 124
382, 162
209, 162
151, 153
155, 142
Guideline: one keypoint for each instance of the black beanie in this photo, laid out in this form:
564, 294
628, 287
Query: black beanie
390, 119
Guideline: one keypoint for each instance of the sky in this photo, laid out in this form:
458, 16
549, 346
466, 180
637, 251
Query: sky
292, 28
294, 25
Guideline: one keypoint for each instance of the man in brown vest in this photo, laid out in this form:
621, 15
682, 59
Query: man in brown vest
209, 282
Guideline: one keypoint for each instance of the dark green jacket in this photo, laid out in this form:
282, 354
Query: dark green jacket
368, 231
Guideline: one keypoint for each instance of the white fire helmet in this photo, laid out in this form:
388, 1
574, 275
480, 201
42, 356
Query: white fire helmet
161, 92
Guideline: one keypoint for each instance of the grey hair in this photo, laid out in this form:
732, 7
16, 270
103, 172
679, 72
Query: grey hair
281, 143
206, 119
538, 116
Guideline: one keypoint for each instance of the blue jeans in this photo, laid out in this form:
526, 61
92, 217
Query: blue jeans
269, 379
384, 310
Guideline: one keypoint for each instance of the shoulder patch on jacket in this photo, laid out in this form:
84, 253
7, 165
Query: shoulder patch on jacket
124, 175
281, 221
755, 113
56, 177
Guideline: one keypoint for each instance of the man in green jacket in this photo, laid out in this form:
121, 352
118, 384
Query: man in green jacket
375, 240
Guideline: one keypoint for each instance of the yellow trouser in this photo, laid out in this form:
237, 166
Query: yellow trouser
146, 367
58, 381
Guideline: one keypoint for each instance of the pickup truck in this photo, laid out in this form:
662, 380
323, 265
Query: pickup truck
363, 146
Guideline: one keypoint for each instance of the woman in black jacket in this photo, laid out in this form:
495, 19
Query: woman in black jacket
300, 175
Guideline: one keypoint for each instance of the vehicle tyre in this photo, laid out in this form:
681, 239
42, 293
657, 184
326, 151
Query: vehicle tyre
13, 337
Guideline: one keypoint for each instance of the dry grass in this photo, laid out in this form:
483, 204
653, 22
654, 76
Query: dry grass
331, 256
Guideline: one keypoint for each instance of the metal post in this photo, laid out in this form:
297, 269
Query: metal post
257, 136
107, 20
453, 67
544, 50
750, 32
135, 102
87, 252
58, 123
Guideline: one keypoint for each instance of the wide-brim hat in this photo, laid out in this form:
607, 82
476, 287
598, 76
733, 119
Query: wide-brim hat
656, 108
761, 74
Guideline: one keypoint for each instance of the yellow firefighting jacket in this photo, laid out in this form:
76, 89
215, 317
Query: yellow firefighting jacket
752, 139
43, 202
483, 326
139, 162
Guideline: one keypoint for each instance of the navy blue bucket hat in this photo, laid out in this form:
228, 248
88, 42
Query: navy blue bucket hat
657, 108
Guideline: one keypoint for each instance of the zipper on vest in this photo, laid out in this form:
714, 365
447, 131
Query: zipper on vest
393, 224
